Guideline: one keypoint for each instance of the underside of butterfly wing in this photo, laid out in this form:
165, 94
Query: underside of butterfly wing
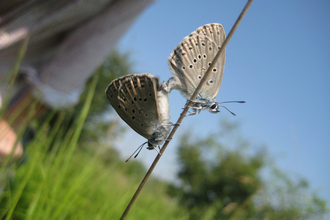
112, 92
214, 31
190, 61
136, 102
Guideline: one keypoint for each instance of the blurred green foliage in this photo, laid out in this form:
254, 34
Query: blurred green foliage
221, 178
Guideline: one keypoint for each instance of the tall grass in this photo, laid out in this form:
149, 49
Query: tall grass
65, 182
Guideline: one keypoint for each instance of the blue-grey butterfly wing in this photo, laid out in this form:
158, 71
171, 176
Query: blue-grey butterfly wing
214, 31
187, 80
134, 98
189, 62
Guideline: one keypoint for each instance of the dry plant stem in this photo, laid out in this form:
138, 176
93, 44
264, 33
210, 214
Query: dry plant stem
183, 114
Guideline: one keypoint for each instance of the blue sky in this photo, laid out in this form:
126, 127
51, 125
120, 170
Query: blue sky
277, 61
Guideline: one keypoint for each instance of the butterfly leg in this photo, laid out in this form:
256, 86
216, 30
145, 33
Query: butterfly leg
195, 112
157, 150
171, 124
197, 108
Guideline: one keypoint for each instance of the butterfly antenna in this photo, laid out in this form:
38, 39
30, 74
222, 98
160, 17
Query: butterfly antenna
230, 102
138, 150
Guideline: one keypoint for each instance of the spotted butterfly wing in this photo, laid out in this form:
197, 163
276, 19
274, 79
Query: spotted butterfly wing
214, 31
136, 98
190, 60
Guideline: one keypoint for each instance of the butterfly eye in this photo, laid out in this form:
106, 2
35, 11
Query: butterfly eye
214, 108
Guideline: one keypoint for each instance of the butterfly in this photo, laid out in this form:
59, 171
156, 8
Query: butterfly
189, 62
141, 102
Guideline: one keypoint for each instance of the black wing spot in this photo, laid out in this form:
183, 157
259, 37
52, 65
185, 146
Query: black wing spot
183, 67
133, 117
191, 66
204, 56
125, 109
203, 44
199, 56
199, 77
150, 94
118, 106
210, 81
141, 125
214, 70
135, 99
195, 60
145, 99
210, 48
133, 102
140, 99
133, 111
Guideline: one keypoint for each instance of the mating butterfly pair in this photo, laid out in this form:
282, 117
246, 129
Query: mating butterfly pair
142, 102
